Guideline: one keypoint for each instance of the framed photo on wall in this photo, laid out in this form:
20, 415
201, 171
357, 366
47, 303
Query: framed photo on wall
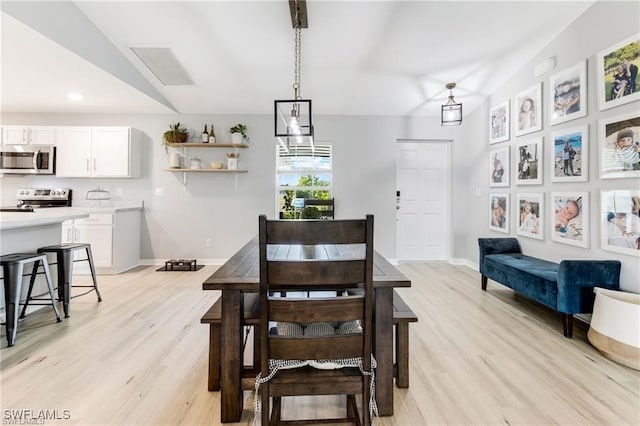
529, 162
570, 218
569, 155
499, 167
530, 214
499, 212
617, 71
568, 94
619, 143
499, 123
527, 111
620, 221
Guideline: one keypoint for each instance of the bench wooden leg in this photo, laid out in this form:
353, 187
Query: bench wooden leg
402, 354
567, 325
214, 357
484, 283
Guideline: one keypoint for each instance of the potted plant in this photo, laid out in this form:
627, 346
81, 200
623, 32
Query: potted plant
238, 133
176, 134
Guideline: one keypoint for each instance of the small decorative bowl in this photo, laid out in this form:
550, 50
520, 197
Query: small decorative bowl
216, 165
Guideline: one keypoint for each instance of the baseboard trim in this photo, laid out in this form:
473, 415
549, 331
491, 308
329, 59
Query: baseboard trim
464, 262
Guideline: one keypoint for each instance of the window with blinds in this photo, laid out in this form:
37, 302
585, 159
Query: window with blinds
302, 171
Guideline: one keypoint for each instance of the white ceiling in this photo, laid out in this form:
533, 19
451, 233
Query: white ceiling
358, 57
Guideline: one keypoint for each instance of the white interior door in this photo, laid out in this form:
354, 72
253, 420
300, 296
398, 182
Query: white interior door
423, 203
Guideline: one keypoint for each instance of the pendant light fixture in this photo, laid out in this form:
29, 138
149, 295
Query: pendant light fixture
292, 117
451, 114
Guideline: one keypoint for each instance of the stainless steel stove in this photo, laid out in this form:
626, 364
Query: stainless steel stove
30, 199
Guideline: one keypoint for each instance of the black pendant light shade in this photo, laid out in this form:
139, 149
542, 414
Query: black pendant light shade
293, 121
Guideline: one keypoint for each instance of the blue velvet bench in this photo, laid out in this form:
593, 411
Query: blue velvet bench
566, 287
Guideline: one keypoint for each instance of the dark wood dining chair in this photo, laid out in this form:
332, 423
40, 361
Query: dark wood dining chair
316, 333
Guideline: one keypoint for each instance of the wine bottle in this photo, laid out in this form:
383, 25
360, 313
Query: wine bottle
212, 135
205, 135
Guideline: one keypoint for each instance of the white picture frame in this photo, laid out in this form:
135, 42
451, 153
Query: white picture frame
569, 154
499, 123
530, 215
569, 218
529, 161
499, 212
568, 94
620, 221
611, 94
499, 167
619, 146
527, 110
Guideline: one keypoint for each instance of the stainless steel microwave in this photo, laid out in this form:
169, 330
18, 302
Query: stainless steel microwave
28, 159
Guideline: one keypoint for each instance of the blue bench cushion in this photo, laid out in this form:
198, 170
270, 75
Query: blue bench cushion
530, 276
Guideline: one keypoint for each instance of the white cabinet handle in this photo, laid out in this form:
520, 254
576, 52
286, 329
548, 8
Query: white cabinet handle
69, 235
24, 135
87, 164
94, 164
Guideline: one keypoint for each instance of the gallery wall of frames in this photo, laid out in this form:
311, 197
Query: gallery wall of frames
519, 154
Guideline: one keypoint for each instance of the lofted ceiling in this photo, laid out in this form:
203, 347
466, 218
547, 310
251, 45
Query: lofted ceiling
373, 57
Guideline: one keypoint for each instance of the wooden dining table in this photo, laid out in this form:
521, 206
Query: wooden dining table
240, 274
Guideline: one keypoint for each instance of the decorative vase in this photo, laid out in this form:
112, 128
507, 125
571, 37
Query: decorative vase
232, 163
174, 160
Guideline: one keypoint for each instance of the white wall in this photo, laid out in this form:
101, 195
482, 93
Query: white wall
600, 27
178, 223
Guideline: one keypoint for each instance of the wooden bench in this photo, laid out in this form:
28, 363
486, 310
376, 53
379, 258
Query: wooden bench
402, 316
213, 317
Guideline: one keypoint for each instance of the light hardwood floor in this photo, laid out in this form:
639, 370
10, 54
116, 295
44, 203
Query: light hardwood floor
140, 358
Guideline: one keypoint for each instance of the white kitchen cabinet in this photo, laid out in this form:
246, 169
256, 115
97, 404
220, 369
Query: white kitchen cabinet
23, 135
114, 239
73, 156
104, 152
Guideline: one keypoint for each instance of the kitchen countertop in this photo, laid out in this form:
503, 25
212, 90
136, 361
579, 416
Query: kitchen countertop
11, 220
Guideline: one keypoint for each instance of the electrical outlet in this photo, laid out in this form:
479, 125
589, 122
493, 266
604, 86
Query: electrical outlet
208, 242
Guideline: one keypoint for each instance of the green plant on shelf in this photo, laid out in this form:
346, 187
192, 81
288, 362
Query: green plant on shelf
176, 134
239, 128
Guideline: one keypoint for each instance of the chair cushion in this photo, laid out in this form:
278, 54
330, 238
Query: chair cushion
289, 329
284, 328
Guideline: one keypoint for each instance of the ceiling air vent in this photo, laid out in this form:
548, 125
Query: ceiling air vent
162, 62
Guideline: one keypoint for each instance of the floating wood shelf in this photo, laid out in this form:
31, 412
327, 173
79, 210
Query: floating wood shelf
186, 145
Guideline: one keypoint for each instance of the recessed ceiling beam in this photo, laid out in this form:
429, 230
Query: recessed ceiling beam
298, 10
